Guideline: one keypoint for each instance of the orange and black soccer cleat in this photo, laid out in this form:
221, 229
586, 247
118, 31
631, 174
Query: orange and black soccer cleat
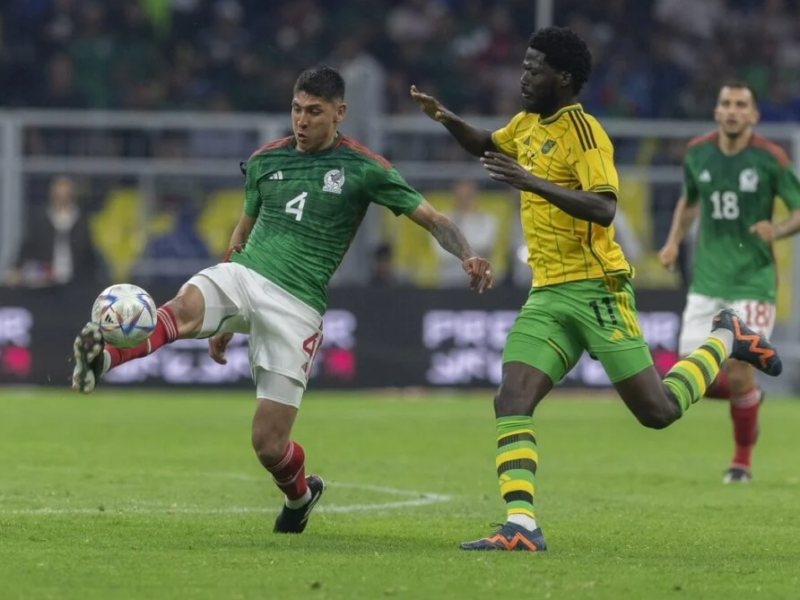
748, 346
510, 537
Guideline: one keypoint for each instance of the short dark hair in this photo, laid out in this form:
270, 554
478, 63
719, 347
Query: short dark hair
739, 84
323, 82
564, 50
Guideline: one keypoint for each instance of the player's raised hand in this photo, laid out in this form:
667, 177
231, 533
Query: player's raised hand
668, 255
765, 230
217, 345
480, 273
431, 106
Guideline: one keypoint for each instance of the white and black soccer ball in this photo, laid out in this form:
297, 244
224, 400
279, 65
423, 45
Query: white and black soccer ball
126, 315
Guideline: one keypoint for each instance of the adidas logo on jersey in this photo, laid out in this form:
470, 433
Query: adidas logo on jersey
705, 177
276, 175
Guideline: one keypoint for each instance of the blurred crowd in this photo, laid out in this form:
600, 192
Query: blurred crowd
654, 58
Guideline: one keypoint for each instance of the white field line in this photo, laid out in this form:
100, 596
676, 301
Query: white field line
415, 499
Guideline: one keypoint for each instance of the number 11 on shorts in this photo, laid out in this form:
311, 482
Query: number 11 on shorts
598, 313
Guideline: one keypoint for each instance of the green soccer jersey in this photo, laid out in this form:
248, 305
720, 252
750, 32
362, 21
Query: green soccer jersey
735, 192
308, 208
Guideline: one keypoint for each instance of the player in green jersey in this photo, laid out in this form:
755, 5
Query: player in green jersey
732, 177
305, 197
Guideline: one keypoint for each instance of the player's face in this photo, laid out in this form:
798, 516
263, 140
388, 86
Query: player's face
735, 111
539, 84
314, 121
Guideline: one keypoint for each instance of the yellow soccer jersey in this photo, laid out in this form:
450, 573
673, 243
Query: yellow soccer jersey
572, 150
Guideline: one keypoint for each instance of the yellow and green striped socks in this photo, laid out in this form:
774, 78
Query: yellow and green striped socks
691, 376
516, 462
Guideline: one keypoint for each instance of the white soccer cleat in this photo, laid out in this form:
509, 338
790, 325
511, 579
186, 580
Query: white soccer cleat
88, 353
737, 475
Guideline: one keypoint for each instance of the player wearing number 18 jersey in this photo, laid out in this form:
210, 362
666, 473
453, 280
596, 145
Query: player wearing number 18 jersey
305, 197
732, 177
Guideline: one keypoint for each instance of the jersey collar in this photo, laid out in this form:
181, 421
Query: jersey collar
561, 111
336, 141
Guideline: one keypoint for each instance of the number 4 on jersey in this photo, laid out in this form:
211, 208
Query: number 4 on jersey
295, 206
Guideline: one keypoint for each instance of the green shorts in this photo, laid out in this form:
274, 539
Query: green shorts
559, 322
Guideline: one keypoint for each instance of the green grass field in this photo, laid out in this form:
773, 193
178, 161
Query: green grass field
157, 495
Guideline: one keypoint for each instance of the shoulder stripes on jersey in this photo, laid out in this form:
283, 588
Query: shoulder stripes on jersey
272, 145
584, 130
710, 137
348, 142
759, 141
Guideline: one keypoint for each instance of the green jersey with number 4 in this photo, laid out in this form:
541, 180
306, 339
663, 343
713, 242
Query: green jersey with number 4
735, 192
308, 208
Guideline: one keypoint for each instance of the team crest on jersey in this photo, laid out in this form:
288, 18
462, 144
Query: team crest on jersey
333, 181
547, 146
748, 180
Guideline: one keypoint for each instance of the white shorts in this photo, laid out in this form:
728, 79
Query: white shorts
285, 333
696, 322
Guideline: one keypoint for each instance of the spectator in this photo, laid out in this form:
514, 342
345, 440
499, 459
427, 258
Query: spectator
93, 51
57, 249
383, 271
479, 227
366, 91
59, 90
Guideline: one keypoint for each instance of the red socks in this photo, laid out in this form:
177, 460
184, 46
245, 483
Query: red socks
166, 331
719, 388
744, 414
289, 472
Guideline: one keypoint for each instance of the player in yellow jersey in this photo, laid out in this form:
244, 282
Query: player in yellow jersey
562, 161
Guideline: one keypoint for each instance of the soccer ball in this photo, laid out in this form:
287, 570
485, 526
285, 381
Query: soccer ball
126, 315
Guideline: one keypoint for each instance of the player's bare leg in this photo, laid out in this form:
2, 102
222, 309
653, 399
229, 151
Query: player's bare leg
650, 401
181, 317
657, 403
285, 461
745, 401
521, 390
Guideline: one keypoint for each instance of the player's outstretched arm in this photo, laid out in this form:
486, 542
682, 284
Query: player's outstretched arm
452, 239
682, 219
474, 140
